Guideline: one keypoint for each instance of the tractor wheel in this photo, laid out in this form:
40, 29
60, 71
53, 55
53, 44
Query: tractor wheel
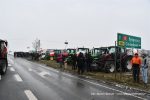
110, 66
128, 65
3, 68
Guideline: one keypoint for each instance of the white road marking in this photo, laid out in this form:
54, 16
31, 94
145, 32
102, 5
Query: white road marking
49, 69
11, 61
12, 69
0, 77
114, 89
45, 67
9, 64
30, 69
30, 95
42, 74
18, 78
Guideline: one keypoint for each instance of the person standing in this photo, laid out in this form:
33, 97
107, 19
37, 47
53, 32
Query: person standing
74, 61
15, 54
145, 69
80, 63
136, 64
88, 62
60, 60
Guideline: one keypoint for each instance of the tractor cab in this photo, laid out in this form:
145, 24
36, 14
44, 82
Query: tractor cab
71, 51
118, 50
57, 52
82, 50
95, 52
111, 49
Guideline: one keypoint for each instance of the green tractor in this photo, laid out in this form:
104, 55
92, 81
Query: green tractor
97, 54
82, 50
70, 52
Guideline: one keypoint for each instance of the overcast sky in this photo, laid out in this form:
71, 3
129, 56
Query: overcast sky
88, 23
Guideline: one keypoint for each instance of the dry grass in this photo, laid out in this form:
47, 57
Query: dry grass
122, 79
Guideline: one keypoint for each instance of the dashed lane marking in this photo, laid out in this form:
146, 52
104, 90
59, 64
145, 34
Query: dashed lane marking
30, 69
30, 95
12, 69
9, 64
42, 74
10, 61
18, 78
49, 68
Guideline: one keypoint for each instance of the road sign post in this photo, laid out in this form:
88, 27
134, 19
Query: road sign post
115, 60
128, 41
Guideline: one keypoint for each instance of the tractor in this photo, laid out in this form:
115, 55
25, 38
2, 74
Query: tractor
96, 54
112, 56
82, 50
70, 52
54, 54
3, 57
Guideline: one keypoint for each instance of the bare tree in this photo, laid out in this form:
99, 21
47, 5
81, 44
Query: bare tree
36, 45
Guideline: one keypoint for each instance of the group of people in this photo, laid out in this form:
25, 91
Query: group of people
140, 63
82, 62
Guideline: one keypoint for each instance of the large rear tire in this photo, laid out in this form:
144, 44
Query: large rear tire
109, 66
3, 67
127, 64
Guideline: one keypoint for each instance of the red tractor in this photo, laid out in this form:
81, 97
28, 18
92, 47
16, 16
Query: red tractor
54, 54
3, 57
115, 56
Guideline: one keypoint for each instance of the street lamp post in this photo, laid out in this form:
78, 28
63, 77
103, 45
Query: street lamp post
28, 48
66, 43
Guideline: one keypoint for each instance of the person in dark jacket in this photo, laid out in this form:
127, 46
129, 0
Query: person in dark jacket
80, 63
74, 61
88, 61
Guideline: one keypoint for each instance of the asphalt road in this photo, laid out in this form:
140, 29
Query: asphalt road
27, 80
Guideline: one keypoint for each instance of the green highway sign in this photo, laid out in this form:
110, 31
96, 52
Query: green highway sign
128, 41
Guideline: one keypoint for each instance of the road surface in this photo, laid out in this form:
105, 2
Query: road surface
27, 80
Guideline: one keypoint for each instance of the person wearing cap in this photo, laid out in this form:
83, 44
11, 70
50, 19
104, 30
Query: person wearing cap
136, 64
145, 69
